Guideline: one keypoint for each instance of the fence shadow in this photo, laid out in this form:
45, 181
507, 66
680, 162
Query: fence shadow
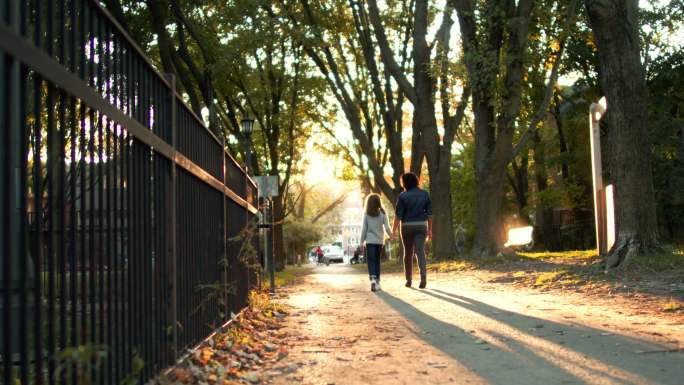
525, 349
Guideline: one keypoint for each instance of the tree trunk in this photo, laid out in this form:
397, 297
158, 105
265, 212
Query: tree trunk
490, 234
615, 27
278, 245
519, 184
489, 182
562, 143
543, 213
443, 245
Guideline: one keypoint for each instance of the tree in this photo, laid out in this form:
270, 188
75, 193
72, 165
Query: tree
232, 62
427, 80
667, 137
338, 39
495, 41
615, 25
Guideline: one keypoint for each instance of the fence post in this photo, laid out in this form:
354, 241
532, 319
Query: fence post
171, 208
16, 266
224, 276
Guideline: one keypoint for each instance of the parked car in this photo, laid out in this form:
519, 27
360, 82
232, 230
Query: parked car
333, 253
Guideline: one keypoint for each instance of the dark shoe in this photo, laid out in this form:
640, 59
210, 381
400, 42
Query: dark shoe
408, 284
422, 285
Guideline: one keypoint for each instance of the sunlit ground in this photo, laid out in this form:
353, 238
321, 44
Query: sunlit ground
539, 336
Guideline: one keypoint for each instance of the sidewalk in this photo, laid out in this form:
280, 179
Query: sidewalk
464, 331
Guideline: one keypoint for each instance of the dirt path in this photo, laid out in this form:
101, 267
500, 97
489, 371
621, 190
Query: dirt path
464, 331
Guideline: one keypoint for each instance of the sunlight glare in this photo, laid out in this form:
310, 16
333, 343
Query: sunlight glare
321, 168
519, 236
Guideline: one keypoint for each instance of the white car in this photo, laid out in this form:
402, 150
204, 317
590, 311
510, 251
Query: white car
332, 253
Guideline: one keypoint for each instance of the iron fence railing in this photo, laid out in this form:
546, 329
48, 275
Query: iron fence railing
123, 222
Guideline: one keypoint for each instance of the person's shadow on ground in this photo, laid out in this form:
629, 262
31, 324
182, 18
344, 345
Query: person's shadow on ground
512, 348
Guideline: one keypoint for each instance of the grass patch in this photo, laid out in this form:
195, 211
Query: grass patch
574, 254
287, 276
670, 258
562, 277
672, 306
452, 265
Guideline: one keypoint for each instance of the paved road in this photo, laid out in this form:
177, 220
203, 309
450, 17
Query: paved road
464, 331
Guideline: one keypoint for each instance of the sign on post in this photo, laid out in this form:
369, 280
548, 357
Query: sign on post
268, 185
268, 188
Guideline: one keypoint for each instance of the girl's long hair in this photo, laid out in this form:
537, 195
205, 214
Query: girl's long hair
374, 205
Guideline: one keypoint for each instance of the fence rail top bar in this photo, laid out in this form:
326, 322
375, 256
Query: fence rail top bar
251, 181
121, 30
24, 51
232, 159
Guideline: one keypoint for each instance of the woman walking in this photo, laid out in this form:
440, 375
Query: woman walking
375, 227
413, 212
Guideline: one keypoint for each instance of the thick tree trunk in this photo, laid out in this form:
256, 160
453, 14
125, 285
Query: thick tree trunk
425, 124
443, 245
489, 183
615, 27
490, 234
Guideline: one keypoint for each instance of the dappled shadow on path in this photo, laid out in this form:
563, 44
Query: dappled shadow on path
506, 347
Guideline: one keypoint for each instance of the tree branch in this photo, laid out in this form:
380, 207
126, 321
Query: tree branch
541, 112
386, 53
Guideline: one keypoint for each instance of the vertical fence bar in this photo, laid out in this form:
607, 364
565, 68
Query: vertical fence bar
14, 183
62, 200
5, 192
224, 261
37, 230
73, 169
50, 209
171, 227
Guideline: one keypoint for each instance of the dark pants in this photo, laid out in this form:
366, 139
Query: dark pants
413, 238
373, 260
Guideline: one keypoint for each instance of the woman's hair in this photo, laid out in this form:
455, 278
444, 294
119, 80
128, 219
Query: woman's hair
409, 180
373, 205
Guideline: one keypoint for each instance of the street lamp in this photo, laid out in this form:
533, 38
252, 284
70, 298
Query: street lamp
247, 124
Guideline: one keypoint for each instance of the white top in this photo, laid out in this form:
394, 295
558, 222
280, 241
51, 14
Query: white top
372, 230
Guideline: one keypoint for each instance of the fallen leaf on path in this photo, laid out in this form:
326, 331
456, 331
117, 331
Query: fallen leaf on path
181, 375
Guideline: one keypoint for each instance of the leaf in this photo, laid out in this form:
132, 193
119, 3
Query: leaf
181, 375
203, 356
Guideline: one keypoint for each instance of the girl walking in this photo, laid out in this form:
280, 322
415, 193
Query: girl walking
413, 212
373, 232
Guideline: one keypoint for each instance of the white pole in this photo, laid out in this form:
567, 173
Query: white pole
596, 111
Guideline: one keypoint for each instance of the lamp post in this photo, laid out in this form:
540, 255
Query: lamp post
604, 212
247, 124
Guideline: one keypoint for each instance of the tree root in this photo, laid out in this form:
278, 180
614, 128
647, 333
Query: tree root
626, 249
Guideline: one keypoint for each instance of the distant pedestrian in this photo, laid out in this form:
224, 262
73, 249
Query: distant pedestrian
373, 233
413, 211
319, 255
356, 258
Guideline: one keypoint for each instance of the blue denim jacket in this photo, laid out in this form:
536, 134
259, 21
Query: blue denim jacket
414, 205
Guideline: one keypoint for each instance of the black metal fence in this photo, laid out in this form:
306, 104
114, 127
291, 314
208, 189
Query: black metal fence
123, 222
